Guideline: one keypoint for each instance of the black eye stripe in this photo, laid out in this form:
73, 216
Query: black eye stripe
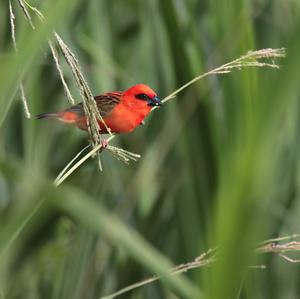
142, 96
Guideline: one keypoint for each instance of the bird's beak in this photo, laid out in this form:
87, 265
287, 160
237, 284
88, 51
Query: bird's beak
155, 101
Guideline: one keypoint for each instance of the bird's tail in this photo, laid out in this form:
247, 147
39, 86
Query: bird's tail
46, 115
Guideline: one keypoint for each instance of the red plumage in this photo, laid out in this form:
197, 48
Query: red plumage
121, 111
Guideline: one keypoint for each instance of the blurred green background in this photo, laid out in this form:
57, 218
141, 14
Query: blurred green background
219, 163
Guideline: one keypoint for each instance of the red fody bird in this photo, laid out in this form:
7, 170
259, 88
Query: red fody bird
122, 112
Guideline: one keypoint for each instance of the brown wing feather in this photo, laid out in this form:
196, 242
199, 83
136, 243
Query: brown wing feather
105, 103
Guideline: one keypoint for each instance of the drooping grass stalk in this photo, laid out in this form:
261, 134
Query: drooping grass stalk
26, 13
279, 239
251, 59
12, 25
210, 257
21, 86
53, 51
203, 260
34, 9
89, 104
256, 58
61, 75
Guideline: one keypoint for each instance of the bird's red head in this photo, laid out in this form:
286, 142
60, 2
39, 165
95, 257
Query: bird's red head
142, 96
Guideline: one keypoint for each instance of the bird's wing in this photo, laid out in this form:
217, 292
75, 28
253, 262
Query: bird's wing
105, 103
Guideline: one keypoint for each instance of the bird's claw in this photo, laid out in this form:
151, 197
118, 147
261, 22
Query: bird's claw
104, 144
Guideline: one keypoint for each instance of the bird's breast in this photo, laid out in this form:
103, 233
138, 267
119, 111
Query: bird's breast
124, 120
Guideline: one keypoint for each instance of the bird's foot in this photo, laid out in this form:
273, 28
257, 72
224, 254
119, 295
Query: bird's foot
104, 144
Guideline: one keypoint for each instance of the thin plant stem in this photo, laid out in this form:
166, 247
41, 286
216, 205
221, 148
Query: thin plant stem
210, 257
201, 261
24, 100
61, 75
26, 13
70, 163
239, 63
21, 86
82, 160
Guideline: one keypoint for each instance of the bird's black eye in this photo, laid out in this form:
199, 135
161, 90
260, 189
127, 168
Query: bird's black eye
142, 96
